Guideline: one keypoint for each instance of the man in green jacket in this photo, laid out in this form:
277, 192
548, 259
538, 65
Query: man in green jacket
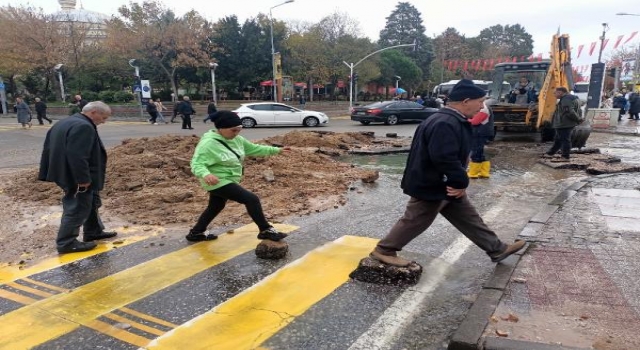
218, 163
566, 117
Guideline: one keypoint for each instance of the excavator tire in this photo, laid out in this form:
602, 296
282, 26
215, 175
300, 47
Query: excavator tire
580, 135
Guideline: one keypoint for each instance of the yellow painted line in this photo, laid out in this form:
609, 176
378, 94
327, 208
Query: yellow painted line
148, 317
9, 273
45, 285
248, 319
50, 318
33, 291
20, 299
117, 333
134, 324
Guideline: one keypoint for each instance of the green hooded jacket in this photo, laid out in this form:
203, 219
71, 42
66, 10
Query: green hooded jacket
212, 157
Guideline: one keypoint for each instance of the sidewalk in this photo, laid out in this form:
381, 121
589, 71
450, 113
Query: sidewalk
576, 286
624, 127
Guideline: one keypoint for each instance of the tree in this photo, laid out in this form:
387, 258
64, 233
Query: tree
151, 32
508, 40
404, 26
395, 63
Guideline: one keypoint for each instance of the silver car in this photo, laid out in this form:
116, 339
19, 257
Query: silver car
272, 113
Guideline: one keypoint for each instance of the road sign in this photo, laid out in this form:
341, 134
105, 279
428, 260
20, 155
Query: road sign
1, 86
136, 89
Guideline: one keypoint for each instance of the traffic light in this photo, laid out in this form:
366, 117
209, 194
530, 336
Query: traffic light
612, 72
355, 77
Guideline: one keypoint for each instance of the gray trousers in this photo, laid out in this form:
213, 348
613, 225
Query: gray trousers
419, 215
79, 209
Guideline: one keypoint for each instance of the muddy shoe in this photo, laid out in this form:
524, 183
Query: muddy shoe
511, 248
199, 237
560, 160
76, 246
546, 156
271, 234
392, 260
103, 235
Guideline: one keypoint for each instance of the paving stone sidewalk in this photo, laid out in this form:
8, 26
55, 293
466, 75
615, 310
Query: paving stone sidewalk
577, 286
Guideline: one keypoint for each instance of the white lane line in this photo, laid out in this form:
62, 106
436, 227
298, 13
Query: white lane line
387, 328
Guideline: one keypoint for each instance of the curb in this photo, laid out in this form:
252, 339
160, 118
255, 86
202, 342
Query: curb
468, 336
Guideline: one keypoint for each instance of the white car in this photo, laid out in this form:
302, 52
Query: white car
272, 113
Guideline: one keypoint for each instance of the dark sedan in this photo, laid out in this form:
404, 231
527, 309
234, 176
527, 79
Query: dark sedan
391, 112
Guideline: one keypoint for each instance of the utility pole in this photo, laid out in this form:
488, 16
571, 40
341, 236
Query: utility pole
605, 27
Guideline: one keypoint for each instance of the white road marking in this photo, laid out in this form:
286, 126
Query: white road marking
387, 328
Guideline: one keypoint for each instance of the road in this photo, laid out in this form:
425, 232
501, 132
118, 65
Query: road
160, 293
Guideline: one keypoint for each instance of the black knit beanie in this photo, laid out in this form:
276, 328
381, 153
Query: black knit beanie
226, 120
466, 89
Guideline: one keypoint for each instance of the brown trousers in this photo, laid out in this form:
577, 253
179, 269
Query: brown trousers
420, 214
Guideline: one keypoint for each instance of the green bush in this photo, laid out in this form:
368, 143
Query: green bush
90, 95
122, 97
106, 96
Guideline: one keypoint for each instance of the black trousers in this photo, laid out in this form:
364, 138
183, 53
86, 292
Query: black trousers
186, 121
562, 141
79, 209
218, 199
41, 116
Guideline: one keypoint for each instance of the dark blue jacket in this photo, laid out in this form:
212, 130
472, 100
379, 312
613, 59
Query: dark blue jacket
619, 102
438, 157
73, 154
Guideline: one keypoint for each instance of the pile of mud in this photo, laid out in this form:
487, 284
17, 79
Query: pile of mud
149, 180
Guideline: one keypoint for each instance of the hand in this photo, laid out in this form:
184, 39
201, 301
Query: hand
455, 192
211, 179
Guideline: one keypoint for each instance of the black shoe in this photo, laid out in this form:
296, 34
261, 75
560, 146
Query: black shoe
76, 246
190, 128
103, 235
199, 237
184, 128
271, 234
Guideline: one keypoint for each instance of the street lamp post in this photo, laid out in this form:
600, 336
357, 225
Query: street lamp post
605, 27
213, 67
398, 78
132, 63
353, 65
58, 70
273, 50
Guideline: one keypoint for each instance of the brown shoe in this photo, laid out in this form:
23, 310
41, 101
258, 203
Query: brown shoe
392, 260
511, 248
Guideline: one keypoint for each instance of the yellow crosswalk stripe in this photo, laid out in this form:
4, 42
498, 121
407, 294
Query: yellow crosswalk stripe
33, 291
50, 318
117, 333
148, 317
248, 319
18, 298
135, 324
45, 285
9, 273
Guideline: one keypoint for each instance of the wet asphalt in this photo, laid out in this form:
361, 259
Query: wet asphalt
518, 188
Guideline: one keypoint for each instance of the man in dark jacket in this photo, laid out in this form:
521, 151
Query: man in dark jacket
436, 179
41, 111
75, 159
567, 116
634, 105
211, 112
187, 111
152, 109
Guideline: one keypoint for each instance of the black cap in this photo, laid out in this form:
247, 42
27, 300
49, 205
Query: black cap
466, 89
226, 120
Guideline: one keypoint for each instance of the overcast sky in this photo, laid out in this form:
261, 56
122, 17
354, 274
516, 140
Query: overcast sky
581, 19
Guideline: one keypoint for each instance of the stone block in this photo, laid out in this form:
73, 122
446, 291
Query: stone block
469, 333
267, 249
372, 271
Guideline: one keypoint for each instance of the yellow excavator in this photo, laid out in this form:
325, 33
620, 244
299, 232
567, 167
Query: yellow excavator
532, 109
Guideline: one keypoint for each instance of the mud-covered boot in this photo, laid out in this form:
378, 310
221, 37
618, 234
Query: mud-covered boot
485, 169
474, 170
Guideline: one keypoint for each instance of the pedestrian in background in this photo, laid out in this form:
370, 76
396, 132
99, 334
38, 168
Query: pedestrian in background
211, 111
435, 178
41, 111
303, 102
186, 110
23, 112
619, 102
482, 132
160, 107
152, 109
566, 117
218, 164
634, 105
176, 108
75, 159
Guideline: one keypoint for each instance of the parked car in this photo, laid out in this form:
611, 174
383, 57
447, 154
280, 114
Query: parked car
272, 113
391, 112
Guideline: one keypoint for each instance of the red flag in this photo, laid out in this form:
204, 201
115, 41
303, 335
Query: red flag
485, 66
631, 37
604, 44
618, 42
580, 50
521, 58
449, 65
540, 57
593, 47
455, 65
466, 65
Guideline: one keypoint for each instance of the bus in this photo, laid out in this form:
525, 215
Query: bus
445, 88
